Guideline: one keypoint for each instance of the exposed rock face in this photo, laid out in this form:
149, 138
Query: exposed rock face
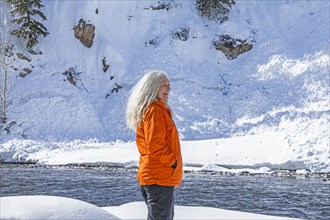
71, 75
105, 65
231, 47
85, 32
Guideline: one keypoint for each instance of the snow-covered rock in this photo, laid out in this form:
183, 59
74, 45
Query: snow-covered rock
50, 208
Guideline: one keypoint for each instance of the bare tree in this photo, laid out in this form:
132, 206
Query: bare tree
9, 61
14, 65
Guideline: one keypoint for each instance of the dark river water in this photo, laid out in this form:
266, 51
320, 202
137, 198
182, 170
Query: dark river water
306, 198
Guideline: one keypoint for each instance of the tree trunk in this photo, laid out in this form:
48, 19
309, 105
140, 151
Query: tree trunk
4, 96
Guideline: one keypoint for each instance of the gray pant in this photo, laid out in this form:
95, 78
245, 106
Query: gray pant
159, 201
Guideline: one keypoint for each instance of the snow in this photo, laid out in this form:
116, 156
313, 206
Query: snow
251, 151
55, 207
267, 109
138, 211
49, 207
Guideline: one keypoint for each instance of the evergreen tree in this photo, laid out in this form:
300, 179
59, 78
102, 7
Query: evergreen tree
25, 13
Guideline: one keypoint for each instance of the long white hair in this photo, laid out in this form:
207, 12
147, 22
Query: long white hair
142, 95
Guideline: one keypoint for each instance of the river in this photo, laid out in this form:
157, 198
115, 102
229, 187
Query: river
306, 198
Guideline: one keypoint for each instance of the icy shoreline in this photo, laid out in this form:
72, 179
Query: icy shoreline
197, 169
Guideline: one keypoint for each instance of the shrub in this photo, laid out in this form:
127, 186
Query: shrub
214, 10
182, 34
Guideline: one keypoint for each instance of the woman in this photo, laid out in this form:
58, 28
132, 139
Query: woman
160, 167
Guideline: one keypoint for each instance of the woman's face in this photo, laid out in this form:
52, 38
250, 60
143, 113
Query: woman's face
164, 89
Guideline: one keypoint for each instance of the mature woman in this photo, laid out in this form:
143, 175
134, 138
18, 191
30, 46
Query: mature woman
160, 167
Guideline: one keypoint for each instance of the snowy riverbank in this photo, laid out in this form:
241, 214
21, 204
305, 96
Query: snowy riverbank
252, 153
55, 208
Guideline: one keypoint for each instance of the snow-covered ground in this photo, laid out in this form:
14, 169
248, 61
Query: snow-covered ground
252, 153
56, 208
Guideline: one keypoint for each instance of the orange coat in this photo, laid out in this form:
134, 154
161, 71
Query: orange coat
158, 143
